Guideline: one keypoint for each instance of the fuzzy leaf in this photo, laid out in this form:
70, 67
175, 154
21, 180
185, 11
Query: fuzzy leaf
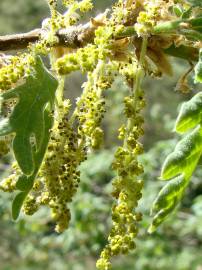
179, 166
27, 119
166, 201
168, 192
185, 156
190, 114
198, 69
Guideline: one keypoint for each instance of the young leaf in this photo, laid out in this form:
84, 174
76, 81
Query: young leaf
171, 190
190, 114
198, 69
185, 156
179, 166
166, 201
27, 118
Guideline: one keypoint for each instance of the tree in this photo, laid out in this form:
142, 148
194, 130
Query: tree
50, 142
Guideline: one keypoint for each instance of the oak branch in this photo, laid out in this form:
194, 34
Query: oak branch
71, 37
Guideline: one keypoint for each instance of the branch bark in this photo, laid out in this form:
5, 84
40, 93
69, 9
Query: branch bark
71, 37
19, 41
79, 36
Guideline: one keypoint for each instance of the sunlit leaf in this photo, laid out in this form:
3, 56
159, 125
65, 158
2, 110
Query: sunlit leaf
178, 167
190, 114
185, 156
27, 119
30, 121
198, 69
166, 201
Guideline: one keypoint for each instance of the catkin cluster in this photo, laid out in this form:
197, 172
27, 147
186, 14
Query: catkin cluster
90, 111
8, 184
15, 68
59, 172
59, 175
127, 185
152, 12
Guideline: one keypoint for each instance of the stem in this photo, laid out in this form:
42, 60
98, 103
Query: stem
71, 37
61, 80
79, 36
92, 80
137, 83
60, 89
173, 26
140, 70
19, 41
166, 27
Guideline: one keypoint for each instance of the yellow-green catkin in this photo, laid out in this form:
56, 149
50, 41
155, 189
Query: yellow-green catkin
30, 205
153, 11
17, 67
127, 185
8, 184
91, 108
5, 145
59, 173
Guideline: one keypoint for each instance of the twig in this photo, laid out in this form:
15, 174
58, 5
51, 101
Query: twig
79, 36
72, 37
19, 41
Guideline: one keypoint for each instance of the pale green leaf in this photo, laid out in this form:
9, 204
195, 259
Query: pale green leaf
198, 69
171, 190
27, 118
185, 156
167, 199
190, 114
30, 121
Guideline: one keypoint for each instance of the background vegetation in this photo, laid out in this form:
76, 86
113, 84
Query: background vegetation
32, 243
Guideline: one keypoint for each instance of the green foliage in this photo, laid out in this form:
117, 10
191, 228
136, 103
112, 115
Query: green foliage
24, 182
185, 156
30, 120
195, 2
17, 204
28, 116
184, 52
180, 165
198, 69
50, 141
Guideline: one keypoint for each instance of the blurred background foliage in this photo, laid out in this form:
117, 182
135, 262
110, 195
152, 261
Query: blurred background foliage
31, 243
